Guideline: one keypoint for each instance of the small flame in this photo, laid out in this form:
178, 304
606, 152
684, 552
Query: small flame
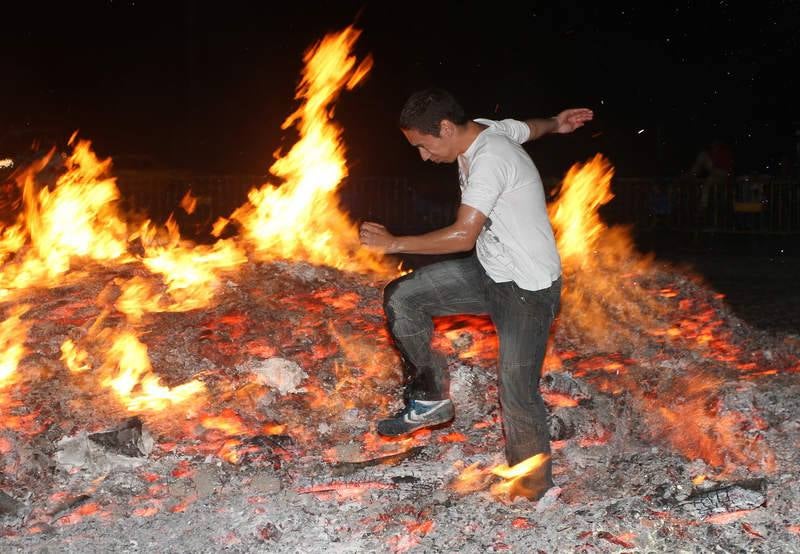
131, 377
13, 331
73, 357
471, 479
189, 202
228, 421
474, 478
514, 475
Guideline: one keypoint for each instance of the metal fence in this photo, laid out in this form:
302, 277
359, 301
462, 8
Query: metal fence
761, 205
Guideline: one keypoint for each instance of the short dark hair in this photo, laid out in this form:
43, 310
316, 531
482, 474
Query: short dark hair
425, 109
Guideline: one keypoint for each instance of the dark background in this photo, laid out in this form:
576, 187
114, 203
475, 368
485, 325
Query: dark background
205, 86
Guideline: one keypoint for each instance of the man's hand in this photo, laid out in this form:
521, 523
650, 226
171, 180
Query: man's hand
569, 120
375, 235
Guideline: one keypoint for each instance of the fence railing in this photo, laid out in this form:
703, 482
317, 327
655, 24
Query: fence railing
761, 205
764, 205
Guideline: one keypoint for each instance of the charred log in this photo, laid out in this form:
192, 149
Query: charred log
741, 495
346, 468
129, 439
8, 505
563, 384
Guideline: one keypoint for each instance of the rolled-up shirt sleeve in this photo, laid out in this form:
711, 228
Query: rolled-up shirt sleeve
485, 183
516, 130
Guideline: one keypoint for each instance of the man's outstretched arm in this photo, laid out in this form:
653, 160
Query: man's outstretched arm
458, 237
565, 122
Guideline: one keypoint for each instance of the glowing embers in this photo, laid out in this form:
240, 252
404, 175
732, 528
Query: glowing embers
233, 437
700, 324
470, 338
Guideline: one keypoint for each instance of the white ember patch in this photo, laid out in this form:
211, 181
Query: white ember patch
79, 452
278, 373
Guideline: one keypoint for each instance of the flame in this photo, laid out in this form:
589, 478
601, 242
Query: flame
301, 219
605, 300
471, 479
474, 478
189, 202
601, 267
130, 376
514, 475
694, 425
76, 219
586, 188
73, 357
191, 272
13, 331
228, 421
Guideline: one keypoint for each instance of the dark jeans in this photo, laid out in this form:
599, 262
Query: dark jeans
522, 319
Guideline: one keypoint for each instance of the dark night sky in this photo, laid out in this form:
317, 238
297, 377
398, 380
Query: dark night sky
205, 86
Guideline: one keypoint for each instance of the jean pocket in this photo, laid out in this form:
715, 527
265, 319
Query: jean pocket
524, 297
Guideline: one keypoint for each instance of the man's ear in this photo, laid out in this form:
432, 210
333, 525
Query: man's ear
446, 128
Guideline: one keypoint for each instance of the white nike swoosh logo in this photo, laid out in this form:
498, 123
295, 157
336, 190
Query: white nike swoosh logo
414, 417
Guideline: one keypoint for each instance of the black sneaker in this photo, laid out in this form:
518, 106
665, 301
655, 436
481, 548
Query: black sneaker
417, 414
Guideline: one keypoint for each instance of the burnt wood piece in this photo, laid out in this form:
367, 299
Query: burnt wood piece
66, 505
124, 440
8, 506
283, 442
561, 425
741, 495
560, 382
345, 468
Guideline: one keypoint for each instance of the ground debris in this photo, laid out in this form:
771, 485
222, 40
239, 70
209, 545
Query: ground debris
8, 505
123, 448
129, 439
741, 495
278, 373
345, 468
296, 464
562, 383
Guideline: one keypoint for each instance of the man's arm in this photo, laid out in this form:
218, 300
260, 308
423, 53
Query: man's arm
458, 237
565, 122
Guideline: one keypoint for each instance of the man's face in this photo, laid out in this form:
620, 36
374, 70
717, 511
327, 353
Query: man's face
439, 149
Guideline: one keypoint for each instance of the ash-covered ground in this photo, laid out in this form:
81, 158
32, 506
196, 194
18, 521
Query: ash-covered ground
675, 426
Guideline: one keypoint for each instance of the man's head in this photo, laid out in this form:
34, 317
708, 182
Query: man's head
430, 120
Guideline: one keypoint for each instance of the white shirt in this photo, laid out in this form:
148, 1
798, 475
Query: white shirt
499, 179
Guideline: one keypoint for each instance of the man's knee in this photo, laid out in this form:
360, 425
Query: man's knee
394, 296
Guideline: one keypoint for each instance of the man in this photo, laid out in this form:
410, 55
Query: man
514, 276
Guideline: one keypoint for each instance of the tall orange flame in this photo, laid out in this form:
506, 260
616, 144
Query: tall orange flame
587, 187
601, 266
301, 219
606, 302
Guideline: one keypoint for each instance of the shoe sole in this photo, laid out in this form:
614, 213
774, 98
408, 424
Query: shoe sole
432, 427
